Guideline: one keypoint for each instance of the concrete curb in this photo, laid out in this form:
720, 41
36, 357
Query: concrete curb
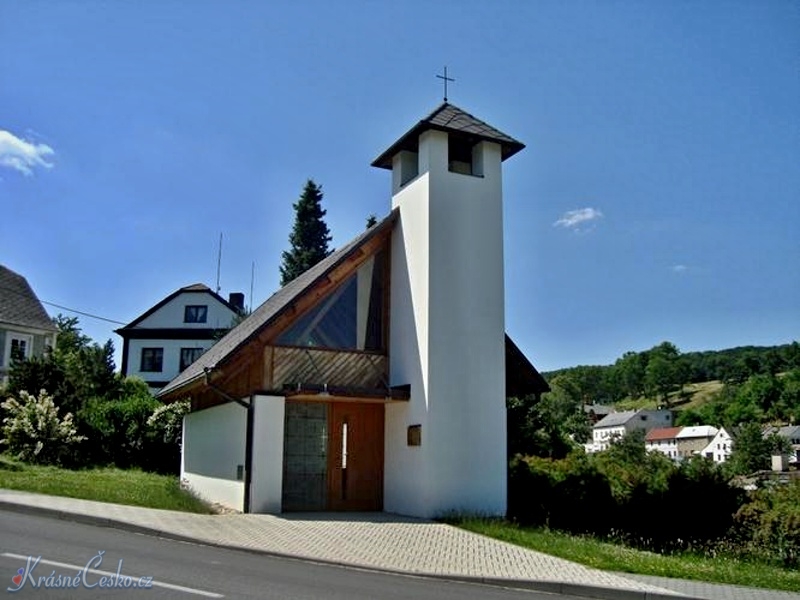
554, 587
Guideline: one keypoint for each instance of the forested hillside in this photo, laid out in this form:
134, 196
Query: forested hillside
755, 383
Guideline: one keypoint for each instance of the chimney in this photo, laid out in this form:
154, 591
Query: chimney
236, 299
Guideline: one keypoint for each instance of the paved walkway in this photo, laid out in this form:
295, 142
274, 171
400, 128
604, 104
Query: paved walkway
383, 542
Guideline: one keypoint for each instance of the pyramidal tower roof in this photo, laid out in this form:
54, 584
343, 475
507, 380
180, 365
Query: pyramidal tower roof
452, 119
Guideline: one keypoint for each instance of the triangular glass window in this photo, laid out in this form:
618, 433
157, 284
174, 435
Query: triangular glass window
351, 317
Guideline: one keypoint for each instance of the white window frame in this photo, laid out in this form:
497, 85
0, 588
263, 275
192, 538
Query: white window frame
23, 337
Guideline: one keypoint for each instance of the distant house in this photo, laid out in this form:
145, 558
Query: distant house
615, 425
693, 440
791, 433
25, 328
719, 448
664, 440
171, 335
595, 412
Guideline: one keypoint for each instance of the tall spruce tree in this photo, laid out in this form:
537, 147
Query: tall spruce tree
310, 235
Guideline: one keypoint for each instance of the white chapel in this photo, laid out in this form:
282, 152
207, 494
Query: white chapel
376, 380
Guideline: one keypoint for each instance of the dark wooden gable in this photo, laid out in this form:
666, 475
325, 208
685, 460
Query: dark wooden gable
249, 359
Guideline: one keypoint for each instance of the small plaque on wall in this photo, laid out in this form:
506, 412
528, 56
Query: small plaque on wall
415, 435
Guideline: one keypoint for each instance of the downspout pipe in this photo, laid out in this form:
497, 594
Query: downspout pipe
248, 444
248, 454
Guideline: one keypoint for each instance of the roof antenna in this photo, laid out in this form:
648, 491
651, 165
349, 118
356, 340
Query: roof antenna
445, 79
219, 260
252, 279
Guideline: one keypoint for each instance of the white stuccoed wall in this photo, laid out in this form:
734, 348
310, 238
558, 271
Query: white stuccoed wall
447, 339
213, 446
407, 488
172, 357
267, 478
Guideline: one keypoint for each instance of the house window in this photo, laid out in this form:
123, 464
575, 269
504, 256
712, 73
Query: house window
152, 360
195, 313
18, 347
189, 355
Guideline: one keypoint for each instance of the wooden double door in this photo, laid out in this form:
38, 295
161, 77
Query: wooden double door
333, 456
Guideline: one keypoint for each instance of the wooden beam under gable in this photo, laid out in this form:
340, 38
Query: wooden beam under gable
269, 368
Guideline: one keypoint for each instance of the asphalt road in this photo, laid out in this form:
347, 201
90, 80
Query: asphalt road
70, 556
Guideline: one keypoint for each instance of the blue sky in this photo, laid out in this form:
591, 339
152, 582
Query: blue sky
657, 198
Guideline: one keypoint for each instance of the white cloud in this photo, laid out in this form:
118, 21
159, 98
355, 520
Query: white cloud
22, 155
576, 219
679, 268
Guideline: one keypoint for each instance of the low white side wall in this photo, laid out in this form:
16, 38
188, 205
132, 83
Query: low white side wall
214, 442
266, 485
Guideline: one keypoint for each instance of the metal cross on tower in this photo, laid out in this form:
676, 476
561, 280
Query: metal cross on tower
445, 79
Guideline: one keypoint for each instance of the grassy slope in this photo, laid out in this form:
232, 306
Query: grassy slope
614, 557
105, 485
699, 394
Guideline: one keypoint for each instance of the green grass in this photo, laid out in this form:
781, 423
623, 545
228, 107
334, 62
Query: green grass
696, 395
702, 393
614, 557
119, 486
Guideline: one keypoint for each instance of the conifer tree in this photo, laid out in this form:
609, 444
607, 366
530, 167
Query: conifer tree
310, 235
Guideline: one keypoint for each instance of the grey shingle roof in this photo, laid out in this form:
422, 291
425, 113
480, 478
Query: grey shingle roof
615, 419
448, 117
19, 305
271, 309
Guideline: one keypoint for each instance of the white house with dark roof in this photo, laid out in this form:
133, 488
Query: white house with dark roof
171, 335
377, 379
26, 330
615, 425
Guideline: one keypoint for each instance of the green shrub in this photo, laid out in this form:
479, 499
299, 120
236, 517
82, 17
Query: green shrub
117, 428
135, 430
627, 494
768, 526
33, 431
556, 493
165, 427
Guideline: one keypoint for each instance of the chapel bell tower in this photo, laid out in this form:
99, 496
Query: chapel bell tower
445, 449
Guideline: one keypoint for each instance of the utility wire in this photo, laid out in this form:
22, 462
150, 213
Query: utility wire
72, 310
80, 312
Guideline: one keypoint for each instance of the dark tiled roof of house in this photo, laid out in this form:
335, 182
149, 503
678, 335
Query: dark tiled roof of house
788, 431
450, 118
598, 409
195, 287
19, 304
272, 308
616, 419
